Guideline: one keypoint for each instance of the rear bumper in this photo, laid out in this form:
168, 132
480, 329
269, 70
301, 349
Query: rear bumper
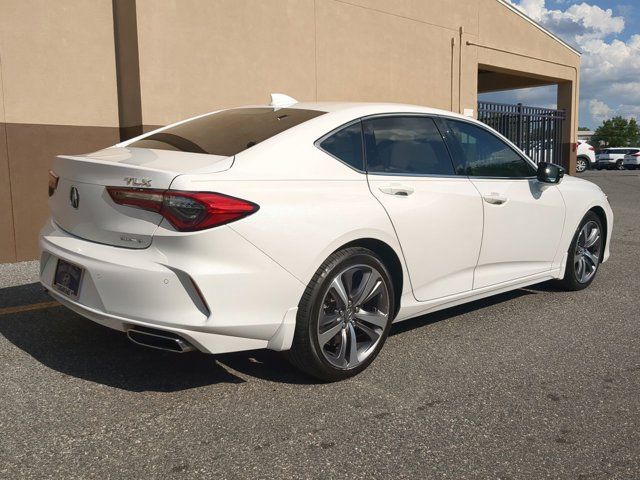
216, 290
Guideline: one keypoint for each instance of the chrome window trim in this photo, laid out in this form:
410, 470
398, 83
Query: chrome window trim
533, 177
433, 116
413, 175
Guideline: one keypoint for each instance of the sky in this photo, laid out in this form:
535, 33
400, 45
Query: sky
607, 32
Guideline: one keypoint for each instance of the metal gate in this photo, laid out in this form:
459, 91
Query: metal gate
536, 131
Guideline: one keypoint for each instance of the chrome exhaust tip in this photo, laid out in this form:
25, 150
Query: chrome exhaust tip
159, 339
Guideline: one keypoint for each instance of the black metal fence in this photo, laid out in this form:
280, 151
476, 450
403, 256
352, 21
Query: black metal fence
537, 131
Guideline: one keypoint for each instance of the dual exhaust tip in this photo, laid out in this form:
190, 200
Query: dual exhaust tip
159, 339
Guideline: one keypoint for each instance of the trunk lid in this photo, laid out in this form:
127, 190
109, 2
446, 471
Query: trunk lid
82, 206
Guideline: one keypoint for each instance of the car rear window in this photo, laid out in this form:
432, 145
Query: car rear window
228, 132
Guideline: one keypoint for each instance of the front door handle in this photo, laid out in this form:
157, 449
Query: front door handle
397, 189
495, 198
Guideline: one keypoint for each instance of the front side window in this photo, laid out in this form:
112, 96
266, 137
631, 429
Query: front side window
479, 153
228, 132
346, 145
408, 145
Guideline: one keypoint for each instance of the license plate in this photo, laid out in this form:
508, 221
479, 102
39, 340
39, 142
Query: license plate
68, 278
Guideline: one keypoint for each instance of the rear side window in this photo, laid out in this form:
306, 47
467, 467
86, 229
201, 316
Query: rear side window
346, 145
229, 132
409, 145
479, 153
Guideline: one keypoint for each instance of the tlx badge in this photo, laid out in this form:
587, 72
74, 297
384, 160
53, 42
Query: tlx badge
138, 182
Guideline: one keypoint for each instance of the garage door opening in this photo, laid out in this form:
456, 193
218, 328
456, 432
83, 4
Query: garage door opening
535, 130
524, 108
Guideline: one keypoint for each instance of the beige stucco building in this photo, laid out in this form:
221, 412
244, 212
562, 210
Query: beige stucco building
78, 75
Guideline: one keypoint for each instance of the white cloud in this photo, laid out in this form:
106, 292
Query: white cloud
576, 24
599, 110
610, 66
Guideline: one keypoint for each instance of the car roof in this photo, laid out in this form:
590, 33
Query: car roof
361, 109
336, 113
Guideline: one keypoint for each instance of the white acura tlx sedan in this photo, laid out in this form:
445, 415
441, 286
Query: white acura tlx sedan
309, 228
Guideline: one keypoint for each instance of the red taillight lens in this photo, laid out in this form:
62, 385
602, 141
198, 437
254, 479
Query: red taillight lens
145, 199
592, 149
186, 211
53, 182
636, 154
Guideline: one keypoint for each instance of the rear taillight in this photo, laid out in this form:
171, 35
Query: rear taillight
592, 149
138, 197
636, 154
186, 211
53, 182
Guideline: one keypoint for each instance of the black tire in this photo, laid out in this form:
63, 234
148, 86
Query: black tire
306, 353
582, 164
571, 282
619, 165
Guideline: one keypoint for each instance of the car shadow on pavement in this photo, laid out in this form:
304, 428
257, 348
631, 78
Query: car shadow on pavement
74, 346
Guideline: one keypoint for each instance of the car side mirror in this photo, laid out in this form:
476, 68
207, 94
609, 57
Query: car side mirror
550, 172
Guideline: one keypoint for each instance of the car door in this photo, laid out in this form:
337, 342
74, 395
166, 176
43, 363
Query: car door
437, 215
523, 218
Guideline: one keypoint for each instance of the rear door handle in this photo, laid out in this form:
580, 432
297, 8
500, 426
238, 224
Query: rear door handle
495, 198
397, 189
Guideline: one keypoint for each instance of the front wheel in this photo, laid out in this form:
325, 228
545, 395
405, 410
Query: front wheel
581, 165
344, 316
585, 254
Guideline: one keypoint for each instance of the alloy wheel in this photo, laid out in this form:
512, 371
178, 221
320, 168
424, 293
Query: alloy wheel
353, 316
587, 254
581, 165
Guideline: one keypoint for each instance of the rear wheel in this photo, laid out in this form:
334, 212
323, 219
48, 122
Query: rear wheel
344, 316
581, 164
585, 254
619, 165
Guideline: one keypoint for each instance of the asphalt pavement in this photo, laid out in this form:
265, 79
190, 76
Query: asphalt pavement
536, 383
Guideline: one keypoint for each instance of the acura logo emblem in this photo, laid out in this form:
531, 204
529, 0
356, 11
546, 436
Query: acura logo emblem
74, 197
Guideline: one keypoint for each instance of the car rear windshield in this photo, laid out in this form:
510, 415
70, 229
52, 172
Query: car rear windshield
228, 132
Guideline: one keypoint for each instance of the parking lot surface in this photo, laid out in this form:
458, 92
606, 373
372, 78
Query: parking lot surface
536, 383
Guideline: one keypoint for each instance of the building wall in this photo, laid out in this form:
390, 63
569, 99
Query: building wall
363, 50
59, 96
75, 75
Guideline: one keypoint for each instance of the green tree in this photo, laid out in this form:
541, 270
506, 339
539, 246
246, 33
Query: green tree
617, 132
583, 129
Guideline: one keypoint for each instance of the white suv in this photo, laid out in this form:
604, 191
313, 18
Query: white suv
613, 158
631, 161
586, 156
